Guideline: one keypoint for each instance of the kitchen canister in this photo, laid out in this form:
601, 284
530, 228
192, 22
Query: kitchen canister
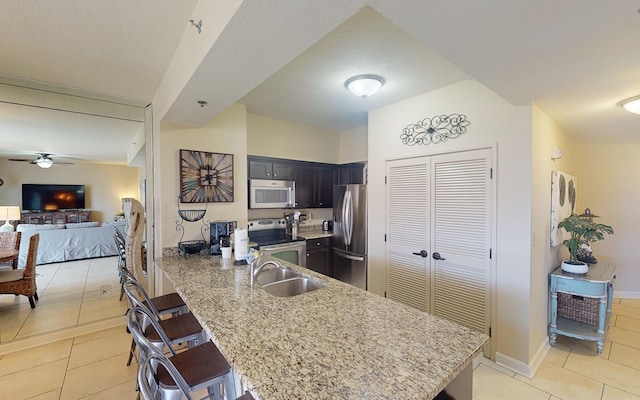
241, 243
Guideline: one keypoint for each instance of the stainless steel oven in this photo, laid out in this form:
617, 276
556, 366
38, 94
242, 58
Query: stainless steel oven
272, 239
294, 252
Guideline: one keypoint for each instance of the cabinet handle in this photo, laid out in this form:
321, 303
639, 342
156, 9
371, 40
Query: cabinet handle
317, 243
307, 254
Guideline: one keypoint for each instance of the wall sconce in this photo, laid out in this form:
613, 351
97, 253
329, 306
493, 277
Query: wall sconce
9, 213
364, 85
632, 104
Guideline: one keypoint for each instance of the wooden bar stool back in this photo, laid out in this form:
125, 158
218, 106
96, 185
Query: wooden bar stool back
200, 367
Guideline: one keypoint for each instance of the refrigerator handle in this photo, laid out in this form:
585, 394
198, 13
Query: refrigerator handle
348, 256
349, 217
345, 233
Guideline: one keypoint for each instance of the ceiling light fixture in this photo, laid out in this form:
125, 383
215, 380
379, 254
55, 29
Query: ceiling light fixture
632, 104
198, 25
44, 162
364, 85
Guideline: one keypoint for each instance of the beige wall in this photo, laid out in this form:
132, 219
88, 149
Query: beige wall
271, 137
227, 133
354, 145
494, 124
610, 186
546, 134
105, 184
281, 139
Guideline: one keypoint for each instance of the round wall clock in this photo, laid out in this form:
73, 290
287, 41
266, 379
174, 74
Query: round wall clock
205, 177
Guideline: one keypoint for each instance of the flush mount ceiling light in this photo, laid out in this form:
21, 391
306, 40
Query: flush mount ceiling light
632, 104
364, 85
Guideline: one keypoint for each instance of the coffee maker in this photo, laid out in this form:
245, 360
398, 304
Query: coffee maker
217, 229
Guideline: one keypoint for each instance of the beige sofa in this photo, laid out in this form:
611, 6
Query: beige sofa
66, 242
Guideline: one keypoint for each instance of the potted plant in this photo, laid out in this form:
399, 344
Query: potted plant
583, 231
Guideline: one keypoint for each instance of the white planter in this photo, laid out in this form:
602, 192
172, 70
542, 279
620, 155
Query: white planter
581, 268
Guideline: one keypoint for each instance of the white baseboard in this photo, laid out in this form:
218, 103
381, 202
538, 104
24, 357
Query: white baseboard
538, 358
625, 295
527, 370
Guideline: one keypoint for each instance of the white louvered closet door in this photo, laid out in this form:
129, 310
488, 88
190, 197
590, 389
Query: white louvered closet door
408, 203
441, 204
461, 235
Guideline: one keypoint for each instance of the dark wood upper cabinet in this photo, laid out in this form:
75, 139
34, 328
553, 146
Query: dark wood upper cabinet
259, 169
351, 173
283, 171
303, 176
314, 181
326, 178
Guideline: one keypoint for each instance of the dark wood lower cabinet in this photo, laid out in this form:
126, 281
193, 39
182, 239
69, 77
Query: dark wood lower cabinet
319, 257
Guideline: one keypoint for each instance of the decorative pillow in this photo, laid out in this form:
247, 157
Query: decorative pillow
37, 227
83, 225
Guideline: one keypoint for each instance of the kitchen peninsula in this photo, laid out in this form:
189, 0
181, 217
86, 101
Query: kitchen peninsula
338, 342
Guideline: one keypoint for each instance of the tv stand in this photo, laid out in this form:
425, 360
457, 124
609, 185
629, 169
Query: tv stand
55, 217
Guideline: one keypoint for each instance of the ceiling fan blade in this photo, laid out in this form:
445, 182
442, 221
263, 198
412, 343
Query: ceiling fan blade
62, 163
20, 159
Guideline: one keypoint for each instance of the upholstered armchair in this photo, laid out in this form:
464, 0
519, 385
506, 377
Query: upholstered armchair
23, 280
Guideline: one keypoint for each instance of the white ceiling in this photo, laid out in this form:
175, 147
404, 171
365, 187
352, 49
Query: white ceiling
576, 59
116, 51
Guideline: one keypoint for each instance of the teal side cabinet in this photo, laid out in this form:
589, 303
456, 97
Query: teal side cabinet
597, 284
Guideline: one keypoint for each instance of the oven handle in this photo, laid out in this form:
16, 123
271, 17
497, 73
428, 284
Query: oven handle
278, 247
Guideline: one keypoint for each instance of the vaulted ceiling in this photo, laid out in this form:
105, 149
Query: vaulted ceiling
576, 59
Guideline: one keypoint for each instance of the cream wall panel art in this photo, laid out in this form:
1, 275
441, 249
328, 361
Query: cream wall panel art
564, 189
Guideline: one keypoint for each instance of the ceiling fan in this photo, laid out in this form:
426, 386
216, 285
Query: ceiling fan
43, 161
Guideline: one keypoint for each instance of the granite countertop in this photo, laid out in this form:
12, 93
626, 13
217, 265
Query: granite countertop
315, 234
338, 342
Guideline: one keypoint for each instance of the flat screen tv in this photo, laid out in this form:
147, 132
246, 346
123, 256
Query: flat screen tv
38, 197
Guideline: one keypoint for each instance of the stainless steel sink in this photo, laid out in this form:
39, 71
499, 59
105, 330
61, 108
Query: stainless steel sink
275, 275
293, 286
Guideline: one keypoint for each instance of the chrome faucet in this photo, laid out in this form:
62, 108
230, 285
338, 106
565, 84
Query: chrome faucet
255, 271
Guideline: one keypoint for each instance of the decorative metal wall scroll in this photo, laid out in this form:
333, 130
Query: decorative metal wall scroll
205, 177
435, 130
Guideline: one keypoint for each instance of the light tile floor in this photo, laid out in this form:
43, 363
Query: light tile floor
92, 366
71, 295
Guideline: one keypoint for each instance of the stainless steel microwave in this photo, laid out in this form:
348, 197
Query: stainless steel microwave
265, 193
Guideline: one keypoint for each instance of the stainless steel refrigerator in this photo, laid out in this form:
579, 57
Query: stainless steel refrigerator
350, 234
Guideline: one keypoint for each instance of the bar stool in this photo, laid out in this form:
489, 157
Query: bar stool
177, 329
196, 368
170, 303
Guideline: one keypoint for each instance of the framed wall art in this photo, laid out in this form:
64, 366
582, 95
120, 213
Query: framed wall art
205, 177
564, 188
